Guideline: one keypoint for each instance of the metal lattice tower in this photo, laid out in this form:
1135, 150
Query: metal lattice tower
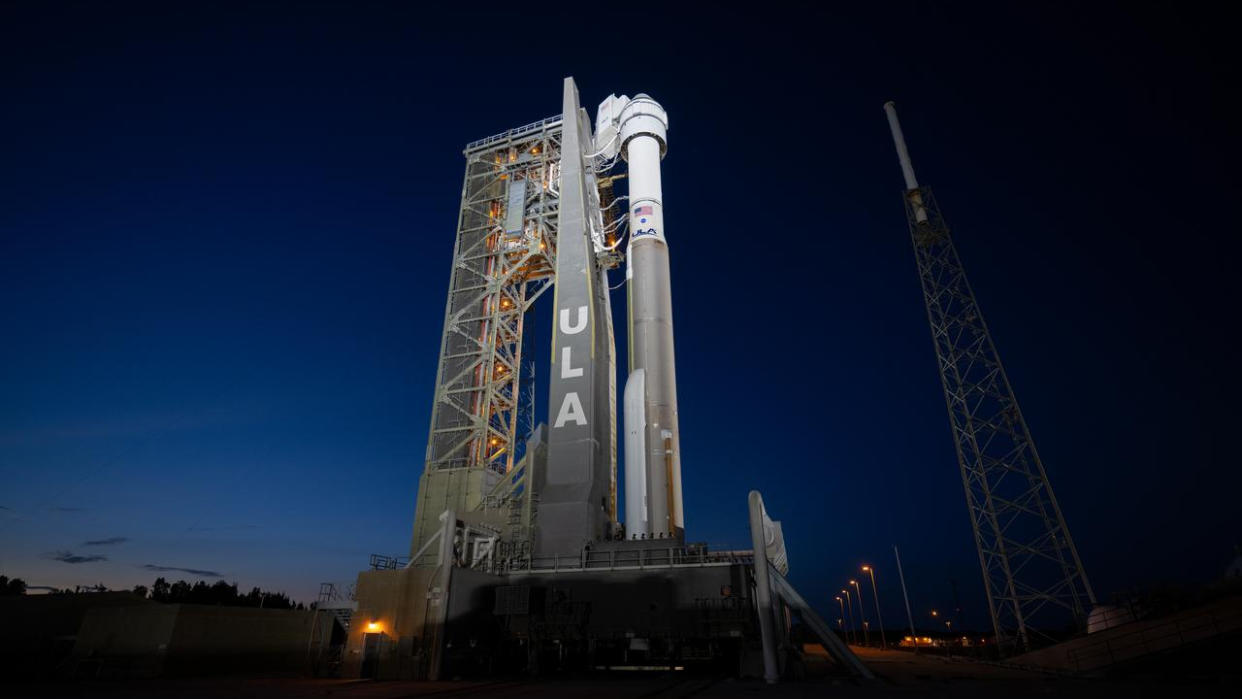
503, 260
1031, 570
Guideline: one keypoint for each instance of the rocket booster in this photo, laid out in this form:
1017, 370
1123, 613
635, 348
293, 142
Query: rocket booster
652, 440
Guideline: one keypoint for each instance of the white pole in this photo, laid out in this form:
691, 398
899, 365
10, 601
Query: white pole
849, 606
862, 612
862, 624
907, 167
903, 154
875, 594
914, 634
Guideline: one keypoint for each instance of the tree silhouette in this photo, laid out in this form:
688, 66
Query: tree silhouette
218, 593
180, 592
11, 586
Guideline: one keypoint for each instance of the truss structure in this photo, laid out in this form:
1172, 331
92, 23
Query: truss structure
503, 261
1031, 569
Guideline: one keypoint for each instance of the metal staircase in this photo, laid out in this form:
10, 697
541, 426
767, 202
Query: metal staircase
338, 602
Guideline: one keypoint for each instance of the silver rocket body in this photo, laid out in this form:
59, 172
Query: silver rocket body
653, 449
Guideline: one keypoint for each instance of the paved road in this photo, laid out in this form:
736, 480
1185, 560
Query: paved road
901, 674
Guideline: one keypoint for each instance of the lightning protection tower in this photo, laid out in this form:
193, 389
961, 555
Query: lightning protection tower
1031, 570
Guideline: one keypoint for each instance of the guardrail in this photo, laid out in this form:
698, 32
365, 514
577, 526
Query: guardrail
533, 126
381, 562
1153, 638
695, 555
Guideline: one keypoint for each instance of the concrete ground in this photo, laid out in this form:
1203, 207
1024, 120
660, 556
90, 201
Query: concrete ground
899, 674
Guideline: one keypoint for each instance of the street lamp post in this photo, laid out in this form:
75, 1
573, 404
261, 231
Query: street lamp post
849, 606
842, 619
874, 594
862, 613
901, 575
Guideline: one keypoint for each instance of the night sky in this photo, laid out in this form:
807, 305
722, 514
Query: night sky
225, 236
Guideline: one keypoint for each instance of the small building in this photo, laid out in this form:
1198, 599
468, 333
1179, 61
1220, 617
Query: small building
194, 640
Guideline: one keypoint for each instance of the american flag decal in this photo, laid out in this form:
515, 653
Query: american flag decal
642, 210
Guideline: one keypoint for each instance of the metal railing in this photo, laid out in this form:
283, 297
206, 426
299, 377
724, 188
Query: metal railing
511, 557
661, 557
1165, 635
381, 562
329, 592
627, 559
511, 133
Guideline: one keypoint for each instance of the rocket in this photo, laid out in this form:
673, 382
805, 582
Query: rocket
653, 496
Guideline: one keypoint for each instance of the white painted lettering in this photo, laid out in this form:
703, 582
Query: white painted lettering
571, 411
577, 327
568, 372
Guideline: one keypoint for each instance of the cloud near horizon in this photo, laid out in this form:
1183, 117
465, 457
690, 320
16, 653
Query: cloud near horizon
106, 542
70, 557
175, 569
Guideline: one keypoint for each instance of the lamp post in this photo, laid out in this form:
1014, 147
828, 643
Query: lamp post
842, 619
862, 613
849, 606
875, 594
901, 575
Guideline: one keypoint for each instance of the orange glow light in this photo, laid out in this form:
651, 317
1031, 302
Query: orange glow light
373, 626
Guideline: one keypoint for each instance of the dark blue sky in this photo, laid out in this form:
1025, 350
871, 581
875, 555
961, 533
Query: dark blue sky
225, 234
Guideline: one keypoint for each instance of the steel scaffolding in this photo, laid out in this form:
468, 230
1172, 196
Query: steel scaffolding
1030, 566
503, 261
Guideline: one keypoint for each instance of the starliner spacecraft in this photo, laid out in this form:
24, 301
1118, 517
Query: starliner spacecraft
520, 559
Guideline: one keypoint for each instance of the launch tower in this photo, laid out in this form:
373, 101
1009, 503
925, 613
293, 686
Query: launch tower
520, 558
1031, 568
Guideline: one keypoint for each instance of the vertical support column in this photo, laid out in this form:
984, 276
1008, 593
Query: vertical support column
438, 595
573, 492
763, 589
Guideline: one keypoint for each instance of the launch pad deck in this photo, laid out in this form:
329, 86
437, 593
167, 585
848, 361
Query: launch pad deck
901, 674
